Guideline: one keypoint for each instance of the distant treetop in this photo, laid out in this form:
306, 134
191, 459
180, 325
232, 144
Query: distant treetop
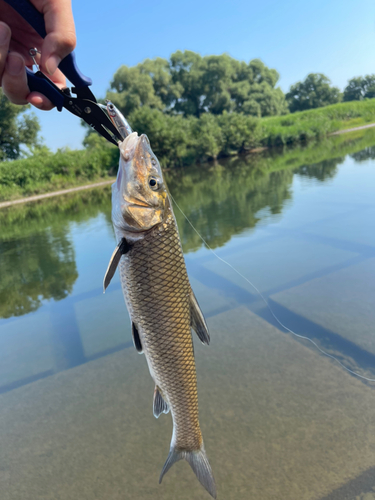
191, 85
314, 92
360, 88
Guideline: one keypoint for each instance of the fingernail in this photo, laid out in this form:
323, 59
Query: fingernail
4, 34
52, 63
15, 64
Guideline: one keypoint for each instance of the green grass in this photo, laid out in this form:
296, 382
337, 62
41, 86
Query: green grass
45, 171
316, 123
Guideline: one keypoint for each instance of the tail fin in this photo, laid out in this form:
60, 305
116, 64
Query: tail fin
198, 462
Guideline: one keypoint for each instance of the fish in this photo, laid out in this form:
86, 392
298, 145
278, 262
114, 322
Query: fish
161, 303
118, 119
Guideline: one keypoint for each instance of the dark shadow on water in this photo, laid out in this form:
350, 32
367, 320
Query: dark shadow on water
28, 380
343, 349
365, 483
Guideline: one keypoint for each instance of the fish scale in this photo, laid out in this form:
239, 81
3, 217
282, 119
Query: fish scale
160, 308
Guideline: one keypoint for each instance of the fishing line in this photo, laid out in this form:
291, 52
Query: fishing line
267, 304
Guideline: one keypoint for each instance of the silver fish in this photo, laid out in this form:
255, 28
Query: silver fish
118, 119
159, 298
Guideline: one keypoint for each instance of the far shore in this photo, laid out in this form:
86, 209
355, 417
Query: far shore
27, 199
37, 197
338, 132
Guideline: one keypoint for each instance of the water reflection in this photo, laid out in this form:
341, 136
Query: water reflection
223, 200
35, 268
364, 155
37, 256
23, 220
322, 171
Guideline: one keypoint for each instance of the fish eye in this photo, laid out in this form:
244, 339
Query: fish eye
154, 183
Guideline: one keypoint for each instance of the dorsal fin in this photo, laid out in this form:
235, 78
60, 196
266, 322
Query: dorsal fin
198, 323
136, 339
122, 248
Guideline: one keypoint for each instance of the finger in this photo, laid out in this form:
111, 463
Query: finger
14, 79
61, 37
4, 46
15, 84
39, 100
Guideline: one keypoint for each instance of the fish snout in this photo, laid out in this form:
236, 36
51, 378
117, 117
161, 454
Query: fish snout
145, 139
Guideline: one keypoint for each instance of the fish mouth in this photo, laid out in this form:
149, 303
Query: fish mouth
132, 201
129, 145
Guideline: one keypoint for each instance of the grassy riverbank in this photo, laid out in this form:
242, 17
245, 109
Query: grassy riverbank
46, 171
316, 123
180, 141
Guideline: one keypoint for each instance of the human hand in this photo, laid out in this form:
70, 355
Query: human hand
17, 37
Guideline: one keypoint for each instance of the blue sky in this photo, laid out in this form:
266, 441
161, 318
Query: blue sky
333, 37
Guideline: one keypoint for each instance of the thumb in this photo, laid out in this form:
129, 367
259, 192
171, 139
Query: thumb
61, 37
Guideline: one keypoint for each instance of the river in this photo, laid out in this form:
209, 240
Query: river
280, 419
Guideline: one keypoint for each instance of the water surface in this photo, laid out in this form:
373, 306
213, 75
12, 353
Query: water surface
279, 419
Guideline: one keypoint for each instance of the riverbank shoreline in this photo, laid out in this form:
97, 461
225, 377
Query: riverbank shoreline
37, 197
345, 131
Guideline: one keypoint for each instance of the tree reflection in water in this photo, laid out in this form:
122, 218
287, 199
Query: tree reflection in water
37, 257
33, 269
221, 200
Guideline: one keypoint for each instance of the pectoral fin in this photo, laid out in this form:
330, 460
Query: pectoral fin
121, 249
136, 339
198, 323
160, 406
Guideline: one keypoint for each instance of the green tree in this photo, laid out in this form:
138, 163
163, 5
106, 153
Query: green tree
239, 132
254, 93
16, 129
216, 84
147, 84
192, 85
187, 70
130, 89
360, 88
170, 136
208, 136
314, 92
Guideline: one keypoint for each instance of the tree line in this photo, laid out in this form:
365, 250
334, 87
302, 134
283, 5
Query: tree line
209, 92
191, 85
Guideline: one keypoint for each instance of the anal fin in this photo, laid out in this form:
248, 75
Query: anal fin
160, 406
121, 249
198, 323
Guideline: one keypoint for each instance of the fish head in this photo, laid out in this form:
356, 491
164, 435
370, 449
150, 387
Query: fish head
139, 195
